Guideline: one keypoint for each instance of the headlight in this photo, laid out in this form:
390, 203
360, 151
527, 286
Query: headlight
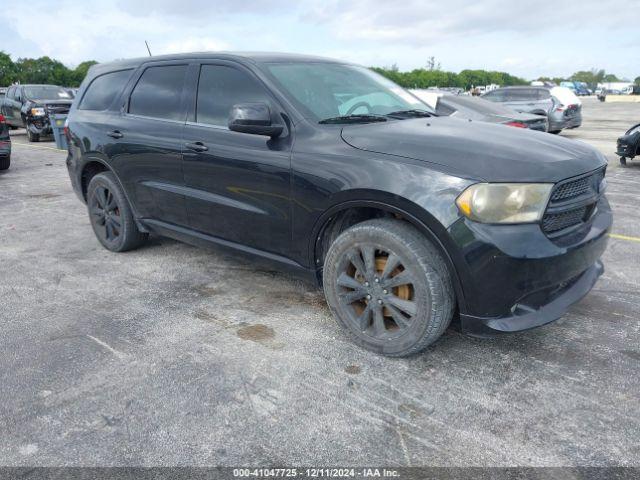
37, 112
505, 202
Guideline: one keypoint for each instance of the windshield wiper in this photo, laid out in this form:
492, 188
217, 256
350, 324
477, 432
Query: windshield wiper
410, 114
359, 118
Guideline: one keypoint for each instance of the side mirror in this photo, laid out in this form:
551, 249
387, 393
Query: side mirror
254, 118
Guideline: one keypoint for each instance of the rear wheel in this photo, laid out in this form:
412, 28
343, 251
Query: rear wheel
623, 161
555, 132
110, 215
5, 162
388, 286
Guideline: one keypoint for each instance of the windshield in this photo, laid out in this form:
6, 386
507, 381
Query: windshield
327, 90
47, 92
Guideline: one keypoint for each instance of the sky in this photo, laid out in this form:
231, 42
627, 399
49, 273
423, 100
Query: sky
525, 38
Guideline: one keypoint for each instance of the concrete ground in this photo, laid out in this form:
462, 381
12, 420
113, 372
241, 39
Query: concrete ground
173, 355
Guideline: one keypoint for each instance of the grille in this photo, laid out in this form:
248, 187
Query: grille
58, 108
572, 203
572, 189
554, 222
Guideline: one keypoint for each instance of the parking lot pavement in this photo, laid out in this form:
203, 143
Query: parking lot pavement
173, 355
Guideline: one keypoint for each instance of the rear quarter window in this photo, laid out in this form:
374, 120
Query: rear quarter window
103, 90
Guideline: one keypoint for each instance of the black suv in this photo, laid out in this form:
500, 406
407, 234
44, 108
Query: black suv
29, 106
404, 217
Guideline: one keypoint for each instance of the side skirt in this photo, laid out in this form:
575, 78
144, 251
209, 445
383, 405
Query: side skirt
200, 239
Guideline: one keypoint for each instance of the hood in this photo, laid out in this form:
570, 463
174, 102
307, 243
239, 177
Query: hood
479, 150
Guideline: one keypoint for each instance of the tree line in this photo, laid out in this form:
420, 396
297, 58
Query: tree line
41, 70
432, 76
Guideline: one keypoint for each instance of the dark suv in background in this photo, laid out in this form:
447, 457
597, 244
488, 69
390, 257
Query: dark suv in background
540, 101
29, 106
329, 169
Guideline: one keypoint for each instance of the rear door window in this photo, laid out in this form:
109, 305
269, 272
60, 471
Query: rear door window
158, 93
10, 93
103, 90
220, 88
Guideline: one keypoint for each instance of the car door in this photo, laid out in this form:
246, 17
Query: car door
16, 107
7, 105
238, 184
145, 142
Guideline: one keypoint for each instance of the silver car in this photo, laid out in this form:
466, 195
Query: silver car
540, 101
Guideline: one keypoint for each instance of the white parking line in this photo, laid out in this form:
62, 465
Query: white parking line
13, 144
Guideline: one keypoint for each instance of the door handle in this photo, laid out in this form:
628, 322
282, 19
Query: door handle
197, 146
116, 134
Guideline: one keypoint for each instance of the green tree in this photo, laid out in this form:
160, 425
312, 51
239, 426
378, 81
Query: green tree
43, 70
8, 70
81, 71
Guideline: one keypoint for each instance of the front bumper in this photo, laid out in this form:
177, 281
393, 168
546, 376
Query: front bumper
515, 278
39, 125
628, 145
525, 317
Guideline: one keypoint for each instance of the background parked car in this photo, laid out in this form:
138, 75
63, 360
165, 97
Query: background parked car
3, 92
628, 146
579, 88
482, 110
561, 106
29, 106
5, 145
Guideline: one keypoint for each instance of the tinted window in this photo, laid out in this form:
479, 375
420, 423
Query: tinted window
158, 93
103, 90
520, 94
495, 96
220, 88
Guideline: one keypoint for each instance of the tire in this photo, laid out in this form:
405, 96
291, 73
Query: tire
623, 161
32, 137
111, 216
555, 132
5, 163
388, 261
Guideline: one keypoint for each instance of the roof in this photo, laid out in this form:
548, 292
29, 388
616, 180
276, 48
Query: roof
522, 87
253, 57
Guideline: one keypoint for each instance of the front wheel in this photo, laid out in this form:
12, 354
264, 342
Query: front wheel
5, 163
388, 287
623, 161
110, 215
